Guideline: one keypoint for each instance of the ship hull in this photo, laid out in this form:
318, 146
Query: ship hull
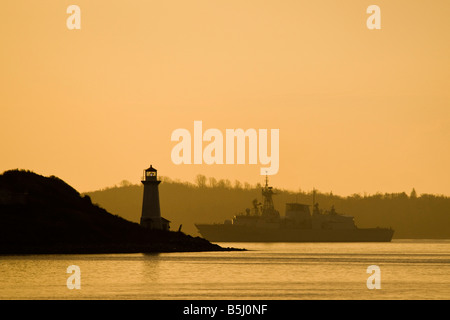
233, 233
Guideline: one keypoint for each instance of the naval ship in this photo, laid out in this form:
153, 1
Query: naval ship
263, 223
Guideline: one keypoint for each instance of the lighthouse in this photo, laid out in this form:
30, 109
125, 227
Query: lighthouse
151, 212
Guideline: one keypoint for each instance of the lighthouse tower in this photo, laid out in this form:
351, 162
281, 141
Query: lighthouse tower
151, 213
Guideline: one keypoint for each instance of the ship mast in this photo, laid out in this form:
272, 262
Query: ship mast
314, 196
315, 205
268, 209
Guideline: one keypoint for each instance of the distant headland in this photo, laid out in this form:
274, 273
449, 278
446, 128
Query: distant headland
45, 215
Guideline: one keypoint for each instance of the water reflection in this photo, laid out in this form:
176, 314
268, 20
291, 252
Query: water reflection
268, 271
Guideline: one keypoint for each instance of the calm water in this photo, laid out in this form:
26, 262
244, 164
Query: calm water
410, 269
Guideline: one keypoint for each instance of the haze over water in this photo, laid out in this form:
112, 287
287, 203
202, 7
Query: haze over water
410, 269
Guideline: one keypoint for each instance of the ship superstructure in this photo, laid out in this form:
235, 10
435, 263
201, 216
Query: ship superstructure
263, 223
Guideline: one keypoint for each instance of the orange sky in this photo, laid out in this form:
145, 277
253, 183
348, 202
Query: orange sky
358, 110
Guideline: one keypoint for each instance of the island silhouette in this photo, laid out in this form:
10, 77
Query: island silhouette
46, 215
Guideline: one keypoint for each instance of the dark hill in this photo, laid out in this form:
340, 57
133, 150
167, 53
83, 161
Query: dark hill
412, 216
45, 215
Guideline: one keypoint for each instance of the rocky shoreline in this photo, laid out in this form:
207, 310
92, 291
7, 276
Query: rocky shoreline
44, 215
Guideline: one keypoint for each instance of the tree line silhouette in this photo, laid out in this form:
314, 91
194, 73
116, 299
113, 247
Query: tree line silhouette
209, 200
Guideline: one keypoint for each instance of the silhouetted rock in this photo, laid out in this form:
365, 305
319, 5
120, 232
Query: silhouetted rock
45, 215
